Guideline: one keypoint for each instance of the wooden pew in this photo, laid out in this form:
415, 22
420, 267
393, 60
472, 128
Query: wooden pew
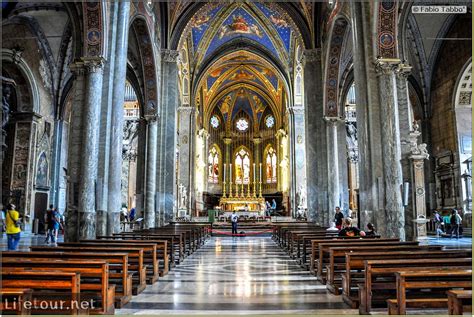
375, 266
426, 279
162, 255
150, 260
315, 248
337, 257
66, 284
175, 243
118, 268
13, 299
135, 260
457, 299
94, 277
323, 251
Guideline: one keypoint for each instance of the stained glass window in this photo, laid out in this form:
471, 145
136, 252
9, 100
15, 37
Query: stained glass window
242, 167
213, 165
271, 166
242, 125
269, 121
215, 122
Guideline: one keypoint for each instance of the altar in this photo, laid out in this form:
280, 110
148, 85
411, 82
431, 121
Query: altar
255, 204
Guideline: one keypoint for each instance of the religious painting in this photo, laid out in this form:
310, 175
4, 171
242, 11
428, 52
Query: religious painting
42, 171
271, 166
239, 25
213, 165
242, 167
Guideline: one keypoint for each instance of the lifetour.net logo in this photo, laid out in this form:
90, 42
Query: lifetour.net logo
451, 9
48, 305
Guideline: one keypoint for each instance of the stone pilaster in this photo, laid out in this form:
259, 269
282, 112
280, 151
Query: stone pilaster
257, 141
89, 153
228, 161
316, 158
333, 171
405, 123
186, 162
150, 216
116, 137
393, 177
169, 82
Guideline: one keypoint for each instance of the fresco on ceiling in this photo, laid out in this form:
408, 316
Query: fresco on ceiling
200, 23
269, 75
215, 73
279, 23
242, 75
240, 24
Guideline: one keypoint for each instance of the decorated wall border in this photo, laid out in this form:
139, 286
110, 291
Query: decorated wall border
386, 29
148, 65
332, 70
93, 29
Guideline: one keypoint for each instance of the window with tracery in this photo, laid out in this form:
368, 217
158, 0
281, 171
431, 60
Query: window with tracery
271, 166
242, 167
213, 165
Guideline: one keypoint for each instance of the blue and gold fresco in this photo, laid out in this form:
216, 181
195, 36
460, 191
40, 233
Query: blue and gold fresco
240, 23
200, 24
279, 23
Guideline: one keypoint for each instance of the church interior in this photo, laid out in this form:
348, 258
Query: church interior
233, 157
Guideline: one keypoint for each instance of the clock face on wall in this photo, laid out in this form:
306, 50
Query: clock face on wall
215, 122
242, 125
269, 121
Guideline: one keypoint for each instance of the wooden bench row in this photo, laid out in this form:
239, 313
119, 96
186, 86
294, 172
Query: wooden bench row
105, 271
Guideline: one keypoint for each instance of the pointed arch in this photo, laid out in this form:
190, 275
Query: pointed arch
271, 164
214, 164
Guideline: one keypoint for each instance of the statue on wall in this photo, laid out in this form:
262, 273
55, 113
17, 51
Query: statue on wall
7, 91
183, 196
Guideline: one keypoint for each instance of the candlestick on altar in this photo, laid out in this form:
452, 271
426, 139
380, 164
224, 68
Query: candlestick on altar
224, 171
254, 173
223, 191
248, 190
260, 172
242, 191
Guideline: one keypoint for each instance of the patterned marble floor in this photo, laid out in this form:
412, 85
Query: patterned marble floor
245, 275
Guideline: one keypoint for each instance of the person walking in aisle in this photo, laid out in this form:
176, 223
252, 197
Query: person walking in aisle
456, 222
234, 219
338, 218
13, 227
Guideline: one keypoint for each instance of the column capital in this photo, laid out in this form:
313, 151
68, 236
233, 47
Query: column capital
333, 120
93, 64
77, 68
169, 56
386, 66
312, 55
186, 109
227, 140
203, 133
257, 140
280, 133
403, 70
151, 118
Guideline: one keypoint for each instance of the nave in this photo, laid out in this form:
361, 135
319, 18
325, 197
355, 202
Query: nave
244, 275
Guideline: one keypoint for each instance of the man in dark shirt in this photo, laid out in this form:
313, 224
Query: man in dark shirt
338, 218
349, 231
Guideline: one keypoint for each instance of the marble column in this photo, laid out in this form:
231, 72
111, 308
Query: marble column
105, 125
334, 193
368, 118
186, 164
73, 175
116, 137
169, 80
89, 153
393, 177
291, 163
150, 175
316, 158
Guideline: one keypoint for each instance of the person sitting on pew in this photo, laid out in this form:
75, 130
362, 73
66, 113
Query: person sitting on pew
371, 230
349, 231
